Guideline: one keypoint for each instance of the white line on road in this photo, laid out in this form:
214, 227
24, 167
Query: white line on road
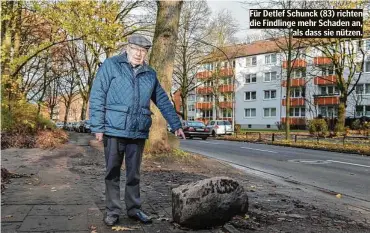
354, 164
211, 143
259, 149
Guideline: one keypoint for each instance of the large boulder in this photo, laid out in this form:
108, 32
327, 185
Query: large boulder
208, 202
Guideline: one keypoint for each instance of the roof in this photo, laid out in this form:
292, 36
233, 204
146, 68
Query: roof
243, 50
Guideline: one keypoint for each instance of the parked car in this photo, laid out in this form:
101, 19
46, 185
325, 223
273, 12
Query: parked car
195, 129
59, 124
69, 126
79, 127
87, 126
219, 127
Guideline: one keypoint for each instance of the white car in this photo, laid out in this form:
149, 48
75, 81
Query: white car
59, 125
220, 127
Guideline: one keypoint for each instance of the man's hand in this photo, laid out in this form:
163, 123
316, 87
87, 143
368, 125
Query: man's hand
99, 136
179, 132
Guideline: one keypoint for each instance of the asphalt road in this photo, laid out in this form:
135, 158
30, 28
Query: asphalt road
340, 173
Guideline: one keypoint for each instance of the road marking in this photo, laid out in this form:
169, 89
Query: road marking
354, 164
211, 143
259, 149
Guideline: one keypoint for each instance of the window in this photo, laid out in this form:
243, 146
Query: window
366, 67
367, 42
190, 118
362, 110
207, 113
297, 112
325, 71
270, 94
270, 76
191, 108
249, 112
227, 81
251, 61
328, 111
269, 112
298, 73
268, 126
250, 95
191, 97
249, 126
359, 89
270, 59
208, 66
226, 113
250, 78
297, 92
329, 90
208, 83
208, 98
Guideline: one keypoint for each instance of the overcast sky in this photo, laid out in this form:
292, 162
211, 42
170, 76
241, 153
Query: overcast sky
240, 13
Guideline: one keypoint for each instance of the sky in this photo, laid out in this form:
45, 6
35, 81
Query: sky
240, 13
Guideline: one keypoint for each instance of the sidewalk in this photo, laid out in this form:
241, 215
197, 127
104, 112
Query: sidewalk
65, 193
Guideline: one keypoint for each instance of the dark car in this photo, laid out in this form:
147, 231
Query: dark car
195, 129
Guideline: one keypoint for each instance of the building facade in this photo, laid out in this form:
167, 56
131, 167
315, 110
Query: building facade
257, 74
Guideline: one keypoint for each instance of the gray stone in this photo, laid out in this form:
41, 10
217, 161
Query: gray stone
208, 202
14, 213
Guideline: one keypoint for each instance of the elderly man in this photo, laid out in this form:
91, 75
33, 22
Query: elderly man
120, 116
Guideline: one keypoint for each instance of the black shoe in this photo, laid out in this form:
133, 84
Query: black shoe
142, 217
110, 220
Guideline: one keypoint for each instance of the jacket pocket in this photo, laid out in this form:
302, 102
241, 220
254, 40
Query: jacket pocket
145, 120
116, 116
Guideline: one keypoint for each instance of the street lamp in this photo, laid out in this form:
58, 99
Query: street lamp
233, 77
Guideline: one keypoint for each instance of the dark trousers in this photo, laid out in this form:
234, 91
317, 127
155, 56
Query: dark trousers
115, 150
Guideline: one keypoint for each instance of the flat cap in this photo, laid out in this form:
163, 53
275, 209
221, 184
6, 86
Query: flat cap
140, 41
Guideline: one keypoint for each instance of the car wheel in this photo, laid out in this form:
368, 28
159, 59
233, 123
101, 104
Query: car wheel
205, 138
213, 133
190, 137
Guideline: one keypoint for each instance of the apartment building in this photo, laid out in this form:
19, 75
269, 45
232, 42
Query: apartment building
257, 74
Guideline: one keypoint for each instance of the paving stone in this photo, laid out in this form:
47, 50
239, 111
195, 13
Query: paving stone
14, 213
55, 210
10, 227
54, 223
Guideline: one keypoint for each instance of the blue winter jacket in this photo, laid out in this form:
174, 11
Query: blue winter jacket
120, 100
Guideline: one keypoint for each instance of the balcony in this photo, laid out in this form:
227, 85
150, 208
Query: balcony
296, 63
204, 105
295, 82
204, 74
295, 120
325, 80
322, 61
326, 100
294, 102
204, 90
226, 88
226, 105
224, 72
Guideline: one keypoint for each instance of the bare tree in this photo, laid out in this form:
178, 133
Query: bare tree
189, 50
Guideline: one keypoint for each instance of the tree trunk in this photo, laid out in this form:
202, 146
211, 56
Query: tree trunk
184, 107
340, 125
162, 60
83, 109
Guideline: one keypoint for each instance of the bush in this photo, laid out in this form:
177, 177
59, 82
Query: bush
356, 125
51, 138
318, 127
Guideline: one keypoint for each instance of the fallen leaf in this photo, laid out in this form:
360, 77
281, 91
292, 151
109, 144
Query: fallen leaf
93, 228
163, 219
246, 217
70, 218
8, 216
339, 195
120, 228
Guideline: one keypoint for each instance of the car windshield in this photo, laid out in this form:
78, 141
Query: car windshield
196, 124
227, 123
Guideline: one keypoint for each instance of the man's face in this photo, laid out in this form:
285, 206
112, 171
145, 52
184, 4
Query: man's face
136, 54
